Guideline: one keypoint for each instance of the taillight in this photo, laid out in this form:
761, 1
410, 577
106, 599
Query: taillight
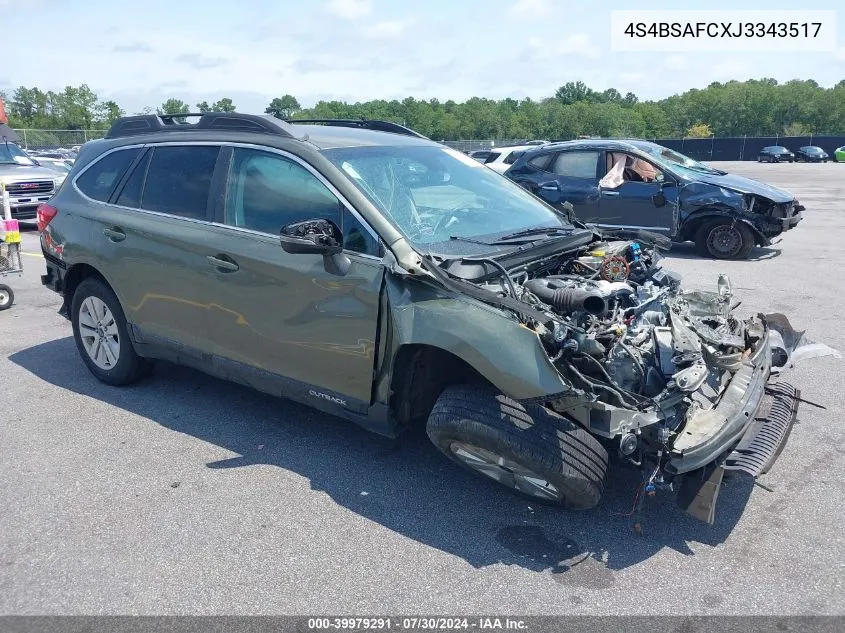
45, 214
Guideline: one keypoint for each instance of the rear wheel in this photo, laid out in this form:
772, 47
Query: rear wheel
527, 448
7, 297
101, 335
725, 239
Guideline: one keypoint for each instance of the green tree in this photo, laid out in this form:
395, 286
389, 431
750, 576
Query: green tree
174, 106
107, 113
573, 92
699, 130
224, 105
284, 107
203, 107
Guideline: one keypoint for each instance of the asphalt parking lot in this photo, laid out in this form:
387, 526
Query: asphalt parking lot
185, 494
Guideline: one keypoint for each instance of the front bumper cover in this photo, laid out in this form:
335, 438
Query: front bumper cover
756, 452
709, 434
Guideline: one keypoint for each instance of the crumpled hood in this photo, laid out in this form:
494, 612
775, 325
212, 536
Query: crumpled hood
746, 185
15, 173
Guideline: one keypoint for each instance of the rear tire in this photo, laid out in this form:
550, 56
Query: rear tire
101, 335
527, 448
724, 239
7, 297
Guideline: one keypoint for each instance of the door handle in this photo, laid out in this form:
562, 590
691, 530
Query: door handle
610, 193
550, 186
114, 234
223, 265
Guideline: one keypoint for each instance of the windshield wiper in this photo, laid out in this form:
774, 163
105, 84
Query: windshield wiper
539, 230
458, 238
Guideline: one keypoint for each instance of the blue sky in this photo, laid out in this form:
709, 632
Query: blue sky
141, 53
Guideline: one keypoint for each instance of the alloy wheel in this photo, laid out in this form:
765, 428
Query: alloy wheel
99, 333
505, 471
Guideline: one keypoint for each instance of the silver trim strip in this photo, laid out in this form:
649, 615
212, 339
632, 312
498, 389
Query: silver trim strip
632, 226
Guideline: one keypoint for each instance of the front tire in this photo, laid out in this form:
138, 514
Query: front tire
7, 297
725, 239
527, 448
101, 335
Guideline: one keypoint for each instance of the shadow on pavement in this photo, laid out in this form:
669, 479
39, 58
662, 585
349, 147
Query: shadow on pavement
406, 485
687, 250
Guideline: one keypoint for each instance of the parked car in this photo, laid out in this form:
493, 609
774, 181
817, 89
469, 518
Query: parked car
775, 154
839, 154
27, 182
378, 276
811, 154
62, 166
481, 155
638, 184
501, 158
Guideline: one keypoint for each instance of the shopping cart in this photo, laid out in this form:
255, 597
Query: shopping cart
10, 250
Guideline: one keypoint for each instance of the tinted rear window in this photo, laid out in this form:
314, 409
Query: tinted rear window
100, 179
179, 180
493, 156
511, 158
540, 162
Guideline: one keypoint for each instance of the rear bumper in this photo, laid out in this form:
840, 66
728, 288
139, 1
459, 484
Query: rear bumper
55, 275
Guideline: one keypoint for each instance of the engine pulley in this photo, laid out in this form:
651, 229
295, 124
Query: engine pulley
615, 268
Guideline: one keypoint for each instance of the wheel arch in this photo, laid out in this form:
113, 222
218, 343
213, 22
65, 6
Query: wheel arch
693, 223
421, 373
75, 275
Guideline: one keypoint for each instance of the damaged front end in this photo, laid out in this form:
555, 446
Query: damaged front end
768, 211
669, 377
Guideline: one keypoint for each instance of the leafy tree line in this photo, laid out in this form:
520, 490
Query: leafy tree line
759, 107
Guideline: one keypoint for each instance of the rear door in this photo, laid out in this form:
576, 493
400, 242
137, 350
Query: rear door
282, 313
572, 176
152, 232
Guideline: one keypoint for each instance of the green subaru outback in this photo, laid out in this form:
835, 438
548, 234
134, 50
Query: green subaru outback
373, 274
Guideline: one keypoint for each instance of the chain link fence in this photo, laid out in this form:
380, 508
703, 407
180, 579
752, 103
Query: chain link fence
51, 139
714, 148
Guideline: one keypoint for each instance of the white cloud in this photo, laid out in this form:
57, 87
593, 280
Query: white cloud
532, 9
839, 55
387, 29
350, 9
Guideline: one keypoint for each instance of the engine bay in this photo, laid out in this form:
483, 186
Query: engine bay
644, 354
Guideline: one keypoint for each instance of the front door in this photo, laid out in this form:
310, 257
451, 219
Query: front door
634, 199
282, 313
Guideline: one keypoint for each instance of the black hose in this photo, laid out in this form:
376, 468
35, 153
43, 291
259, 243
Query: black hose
502, 269
566, 298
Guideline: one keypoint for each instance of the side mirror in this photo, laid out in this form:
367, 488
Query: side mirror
317, 237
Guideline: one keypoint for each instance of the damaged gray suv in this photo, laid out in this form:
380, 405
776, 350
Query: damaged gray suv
371, 273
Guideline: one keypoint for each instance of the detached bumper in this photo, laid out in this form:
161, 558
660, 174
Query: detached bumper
756, 452
711, 434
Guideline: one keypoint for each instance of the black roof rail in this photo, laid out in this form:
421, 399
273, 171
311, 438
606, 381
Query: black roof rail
224, 121
367, 124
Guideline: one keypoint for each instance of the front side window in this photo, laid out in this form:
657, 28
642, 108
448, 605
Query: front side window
99, 179
267, 191
437, 196
179, 180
